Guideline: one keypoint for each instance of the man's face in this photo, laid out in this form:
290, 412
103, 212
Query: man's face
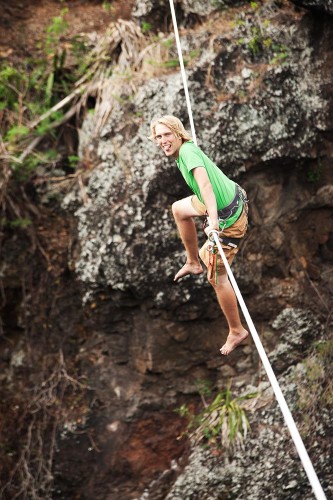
167, 140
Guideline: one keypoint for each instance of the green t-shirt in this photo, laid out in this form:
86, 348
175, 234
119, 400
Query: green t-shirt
190, 157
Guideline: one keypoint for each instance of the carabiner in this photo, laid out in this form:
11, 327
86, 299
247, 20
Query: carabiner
211, 235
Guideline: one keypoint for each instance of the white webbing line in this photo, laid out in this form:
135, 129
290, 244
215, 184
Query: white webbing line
305, 459
182, 69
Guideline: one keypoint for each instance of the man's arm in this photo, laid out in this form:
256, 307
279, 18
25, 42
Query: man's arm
208, 196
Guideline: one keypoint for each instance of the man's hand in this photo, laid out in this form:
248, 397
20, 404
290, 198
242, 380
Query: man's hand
213, 225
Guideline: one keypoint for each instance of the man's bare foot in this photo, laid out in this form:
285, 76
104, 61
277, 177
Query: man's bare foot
188, 269
233, 340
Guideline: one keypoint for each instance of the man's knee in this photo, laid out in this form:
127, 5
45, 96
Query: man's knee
176, 209
182, 209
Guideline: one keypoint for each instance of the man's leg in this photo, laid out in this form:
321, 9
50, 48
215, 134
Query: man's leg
228, 303
183, 211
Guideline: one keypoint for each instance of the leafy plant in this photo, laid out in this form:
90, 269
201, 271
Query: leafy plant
11, 82
49, 89
172, 63
107, 6
57, 27
255, 36
183, 411
21, 223
146, 27
255, 43
27, 94
73, 160
281, 53
16, 132
222, 422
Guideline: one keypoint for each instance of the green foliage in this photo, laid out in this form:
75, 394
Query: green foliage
16, 132
325, 351
22, 170
79, 51
163, 54
193, 54
12, 82
20, 223
281, 53
46, 124
57, 28
183, 411
204, 388
222, 422
50, 155
29, 90
107, 6
255, 43
167, 43
146, 27
172, 63
73, 161
256, 38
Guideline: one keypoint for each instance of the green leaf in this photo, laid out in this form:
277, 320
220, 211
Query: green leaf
20, 223
145, 27
73, 160
16, 132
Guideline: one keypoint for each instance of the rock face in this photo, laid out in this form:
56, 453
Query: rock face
261, 90
316, 5
259, 108
260, 80
256, 470
252, 472
186, 10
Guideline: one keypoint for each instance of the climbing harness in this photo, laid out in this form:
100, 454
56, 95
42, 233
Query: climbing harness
229, 242
239, 200
230, 210
214, 236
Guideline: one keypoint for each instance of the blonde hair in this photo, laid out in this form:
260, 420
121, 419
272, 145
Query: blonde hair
173, 123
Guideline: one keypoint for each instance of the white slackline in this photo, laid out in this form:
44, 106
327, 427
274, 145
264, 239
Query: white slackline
307, 464
305, 459
182, 69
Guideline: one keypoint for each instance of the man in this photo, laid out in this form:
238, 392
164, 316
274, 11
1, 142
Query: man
216, 197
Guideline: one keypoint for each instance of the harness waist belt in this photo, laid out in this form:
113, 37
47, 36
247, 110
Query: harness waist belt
232, 208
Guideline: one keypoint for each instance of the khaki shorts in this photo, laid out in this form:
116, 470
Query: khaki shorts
237, 230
